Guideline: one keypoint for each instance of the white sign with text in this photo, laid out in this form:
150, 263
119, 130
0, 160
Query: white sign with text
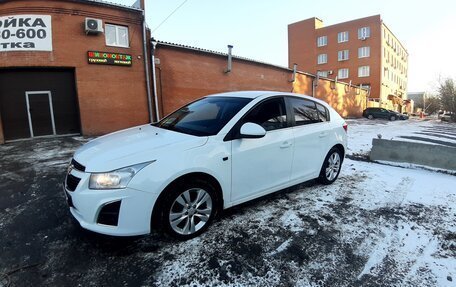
25, 33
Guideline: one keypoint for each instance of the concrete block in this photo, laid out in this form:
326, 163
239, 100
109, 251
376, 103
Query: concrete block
417, 153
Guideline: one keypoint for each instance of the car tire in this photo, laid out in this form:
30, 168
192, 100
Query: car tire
331, 166
392, 118
188, 209
370, 117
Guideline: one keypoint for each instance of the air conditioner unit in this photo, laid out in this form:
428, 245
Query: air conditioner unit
93, 26
363, 38
330, 72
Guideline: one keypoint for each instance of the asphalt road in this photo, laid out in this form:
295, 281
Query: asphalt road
309, 235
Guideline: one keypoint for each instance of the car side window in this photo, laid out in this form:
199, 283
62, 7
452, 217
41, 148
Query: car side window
270, 114
304, 111
323, 113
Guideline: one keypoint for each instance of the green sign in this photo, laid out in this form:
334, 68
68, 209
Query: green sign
106, 58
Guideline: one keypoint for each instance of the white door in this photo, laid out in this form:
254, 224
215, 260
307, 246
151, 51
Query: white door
311, 138
260, 165
40, 113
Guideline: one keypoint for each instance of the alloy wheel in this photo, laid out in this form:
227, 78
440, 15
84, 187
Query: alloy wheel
333, 166
190, 211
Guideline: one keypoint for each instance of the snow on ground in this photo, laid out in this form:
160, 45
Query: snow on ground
429, 131
377, 225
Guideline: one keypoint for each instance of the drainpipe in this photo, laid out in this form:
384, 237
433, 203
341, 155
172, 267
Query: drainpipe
293, 77
315, 84
146, 66
154, 77
230, 59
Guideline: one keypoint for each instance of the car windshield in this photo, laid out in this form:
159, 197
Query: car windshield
205, 117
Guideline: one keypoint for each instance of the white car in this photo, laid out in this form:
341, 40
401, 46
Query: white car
212, 154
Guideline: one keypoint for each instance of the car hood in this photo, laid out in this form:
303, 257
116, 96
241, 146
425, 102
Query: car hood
132, 146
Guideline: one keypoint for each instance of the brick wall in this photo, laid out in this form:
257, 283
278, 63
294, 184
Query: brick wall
185, 74
109, 97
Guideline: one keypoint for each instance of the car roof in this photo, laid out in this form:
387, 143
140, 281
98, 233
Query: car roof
256, 94
265, 94
247, 94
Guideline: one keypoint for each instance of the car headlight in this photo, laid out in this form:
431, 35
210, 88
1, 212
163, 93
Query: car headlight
116, 179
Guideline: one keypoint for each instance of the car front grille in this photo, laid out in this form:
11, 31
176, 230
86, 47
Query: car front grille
72, 182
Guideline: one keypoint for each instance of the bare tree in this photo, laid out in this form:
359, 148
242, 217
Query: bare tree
432, 105
447, 95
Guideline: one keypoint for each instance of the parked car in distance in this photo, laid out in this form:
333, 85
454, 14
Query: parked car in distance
446, 117
214, 153
381, 113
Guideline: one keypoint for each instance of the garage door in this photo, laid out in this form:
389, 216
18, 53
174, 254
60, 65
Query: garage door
38, 102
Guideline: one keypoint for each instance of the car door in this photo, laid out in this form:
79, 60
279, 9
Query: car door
311, 132
261, 165
384, 114
376, 112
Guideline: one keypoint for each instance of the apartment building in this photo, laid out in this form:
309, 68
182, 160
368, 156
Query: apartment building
363, 52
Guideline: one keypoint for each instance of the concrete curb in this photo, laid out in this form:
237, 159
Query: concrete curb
410, 152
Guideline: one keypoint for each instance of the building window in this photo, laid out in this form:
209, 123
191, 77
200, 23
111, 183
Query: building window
322, 59
342, 73
342, 55
363, 71
322, 73
364, 33
116, 35
365, 86
342, 37
364, 52
322, 41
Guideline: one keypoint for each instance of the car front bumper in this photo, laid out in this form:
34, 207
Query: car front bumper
118, 212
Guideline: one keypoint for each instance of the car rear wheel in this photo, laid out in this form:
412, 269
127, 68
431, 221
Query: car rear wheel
189, 209
331, 167
393, 118
370, 117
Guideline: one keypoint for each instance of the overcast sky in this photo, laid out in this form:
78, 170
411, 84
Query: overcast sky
258, 28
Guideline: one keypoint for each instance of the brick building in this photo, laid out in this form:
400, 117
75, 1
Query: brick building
362, 51
83, 67
71, 67
187, 73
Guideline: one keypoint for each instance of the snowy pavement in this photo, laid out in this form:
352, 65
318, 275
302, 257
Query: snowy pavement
429, 131
377, 225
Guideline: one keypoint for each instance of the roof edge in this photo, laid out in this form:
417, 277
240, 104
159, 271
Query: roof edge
175, 45
215, 53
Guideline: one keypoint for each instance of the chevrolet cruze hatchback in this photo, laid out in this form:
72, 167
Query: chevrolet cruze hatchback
212, 154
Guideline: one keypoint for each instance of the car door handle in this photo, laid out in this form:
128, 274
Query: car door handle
323, 134
286, 145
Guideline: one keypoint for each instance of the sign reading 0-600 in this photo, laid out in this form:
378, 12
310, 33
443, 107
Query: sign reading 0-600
26, 33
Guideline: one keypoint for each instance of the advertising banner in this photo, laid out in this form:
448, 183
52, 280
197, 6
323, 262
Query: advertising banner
25, 33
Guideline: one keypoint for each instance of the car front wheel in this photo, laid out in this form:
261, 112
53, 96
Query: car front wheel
189, 209
393, 118
331, 167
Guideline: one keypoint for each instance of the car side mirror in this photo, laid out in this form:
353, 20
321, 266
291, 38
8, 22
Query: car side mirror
252, 131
